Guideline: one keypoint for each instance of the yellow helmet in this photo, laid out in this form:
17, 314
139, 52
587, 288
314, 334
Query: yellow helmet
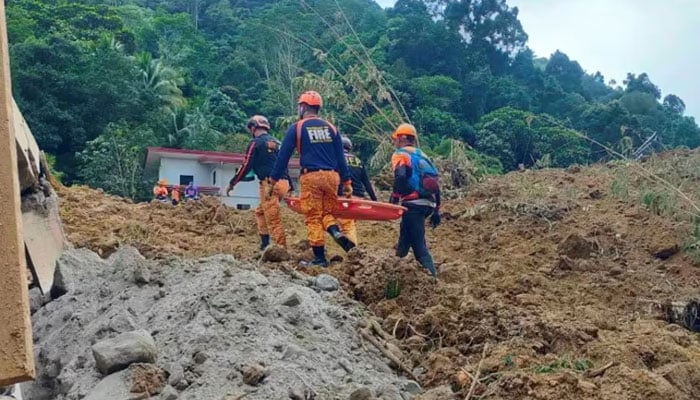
404, 130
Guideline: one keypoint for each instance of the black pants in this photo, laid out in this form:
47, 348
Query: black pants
412, 235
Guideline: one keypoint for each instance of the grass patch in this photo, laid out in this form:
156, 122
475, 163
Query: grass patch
662, 203
392, 289
691, 247
565, 363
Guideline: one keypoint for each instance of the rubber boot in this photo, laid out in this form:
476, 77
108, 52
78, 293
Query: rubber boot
264, 241
339, 238
427, 263
319, 258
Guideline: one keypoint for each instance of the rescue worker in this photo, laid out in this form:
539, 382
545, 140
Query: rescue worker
175, 195
323, 168
160, 191
191, 192
260, 157
360, 186
405, 191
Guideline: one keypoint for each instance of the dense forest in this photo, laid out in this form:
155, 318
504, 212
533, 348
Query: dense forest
100, 80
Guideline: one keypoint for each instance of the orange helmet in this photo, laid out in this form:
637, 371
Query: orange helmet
404, 130
258, 121
311, 98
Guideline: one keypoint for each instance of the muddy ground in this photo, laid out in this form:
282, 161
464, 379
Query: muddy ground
551, 282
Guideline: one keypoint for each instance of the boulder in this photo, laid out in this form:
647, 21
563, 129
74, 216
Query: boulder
115, 354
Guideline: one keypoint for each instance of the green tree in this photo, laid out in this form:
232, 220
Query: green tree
490, 28
568, 73
674, 104
114, 160
517, 137
641, 83
160, 81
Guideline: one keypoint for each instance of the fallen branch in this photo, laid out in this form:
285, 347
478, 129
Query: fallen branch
600, 371
365, 333
393, 333
475, 378
380, 331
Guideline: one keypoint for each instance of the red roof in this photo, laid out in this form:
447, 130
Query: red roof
154, 154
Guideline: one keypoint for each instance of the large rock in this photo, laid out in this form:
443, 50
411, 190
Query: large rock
327, 283
363, 393
115, 386
290, 298
439, 393
169, 393
389, 392
411, 387
118, 353
126, 258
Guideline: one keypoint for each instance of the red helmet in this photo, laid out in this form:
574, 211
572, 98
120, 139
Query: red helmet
258, 121
311, 98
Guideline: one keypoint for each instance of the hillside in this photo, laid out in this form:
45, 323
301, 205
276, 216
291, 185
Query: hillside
99, 81
552, 285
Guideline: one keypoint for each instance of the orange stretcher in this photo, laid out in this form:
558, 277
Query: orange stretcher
357, 209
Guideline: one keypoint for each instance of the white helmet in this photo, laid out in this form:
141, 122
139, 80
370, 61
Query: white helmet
347, 143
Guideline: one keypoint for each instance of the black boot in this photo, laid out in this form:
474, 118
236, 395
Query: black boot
339, 238
264, 241
319, 258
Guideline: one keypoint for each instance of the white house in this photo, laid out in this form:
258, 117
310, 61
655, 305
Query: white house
210, 171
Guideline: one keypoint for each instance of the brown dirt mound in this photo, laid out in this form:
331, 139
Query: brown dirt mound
545, 274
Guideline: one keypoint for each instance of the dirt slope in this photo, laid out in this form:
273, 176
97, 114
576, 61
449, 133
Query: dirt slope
546, 275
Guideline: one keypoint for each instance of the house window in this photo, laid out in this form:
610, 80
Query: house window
243, 206
213, 178
186, 179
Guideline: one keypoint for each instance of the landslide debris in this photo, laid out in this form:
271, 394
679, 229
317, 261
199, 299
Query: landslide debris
209, 328
552, 283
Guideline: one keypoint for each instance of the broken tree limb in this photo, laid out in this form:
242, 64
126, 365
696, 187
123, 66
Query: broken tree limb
600, 371
370, 338
477, 373
380, 331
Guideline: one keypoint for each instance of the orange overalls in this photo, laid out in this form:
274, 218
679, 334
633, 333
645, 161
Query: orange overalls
260, 158
267, 214
175, 195
318, 198
322, 167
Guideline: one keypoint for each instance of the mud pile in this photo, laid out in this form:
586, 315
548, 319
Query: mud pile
212, 328
551, 284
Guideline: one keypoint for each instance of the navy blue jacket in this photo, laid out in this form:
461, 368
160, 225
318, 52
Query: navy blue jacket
360, 179
260, 156
320, 148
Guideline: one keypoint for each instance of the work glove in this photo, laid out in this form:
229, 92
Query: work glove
229, 188
270, 188
435, 219
347, 189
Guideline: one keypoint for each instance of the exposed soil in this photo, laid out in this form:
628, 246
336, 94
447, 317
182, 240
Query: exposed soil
545, 279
